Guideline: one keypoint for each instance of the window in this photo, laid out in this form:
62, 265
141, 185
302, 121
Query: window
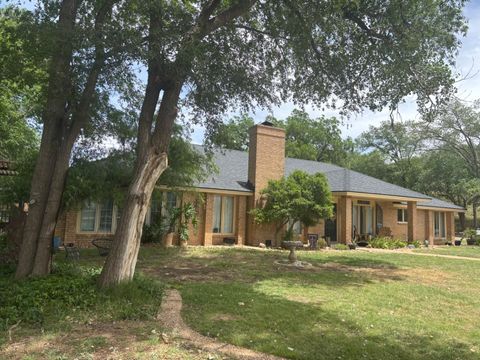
106, 216
161, 205
98, 217
223, 210
402, 215
439, 224
87, 217
362, 220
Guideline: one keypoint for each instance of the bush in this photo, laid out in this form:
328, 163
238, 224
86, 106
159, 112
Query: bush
70, 294
153, 233
341, 247
321, 243
387, 243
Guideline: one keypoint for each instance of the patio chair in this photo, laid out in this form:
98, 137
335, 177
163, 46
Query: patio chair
72, 253
103, 245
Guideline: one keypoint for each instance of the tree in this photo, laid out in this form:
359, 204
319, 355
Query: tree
82, 45
356, 54
457, 128
299, 197
314, 139
233, 134
400, 143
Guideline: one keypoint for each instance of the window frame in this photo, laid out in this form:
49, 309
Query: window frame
98, 209
443, 215
404, 216
222, 214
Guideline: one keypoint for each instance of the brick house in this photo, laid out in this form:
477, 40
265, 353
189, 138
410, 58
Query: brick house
363, 204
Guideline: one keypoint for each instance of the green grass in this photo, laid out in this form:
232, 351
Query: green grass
356, 305
351, 305
464, 250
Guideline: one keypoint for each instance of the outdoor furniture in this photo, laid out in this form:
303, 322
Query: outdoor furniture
313, 241
103, 245
72, 253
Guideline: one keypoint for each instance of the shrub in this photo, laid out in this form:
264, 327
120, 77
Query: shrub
70, 294
387, 243
153, 233
322, 244
416, 243
341, 247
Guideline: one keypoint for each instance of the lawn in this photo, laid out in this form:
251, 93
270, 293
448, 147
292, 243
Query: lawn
464, 250
351, 305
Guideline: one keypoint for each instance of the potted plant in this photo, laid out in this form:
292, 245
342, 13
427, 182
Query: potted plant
470, 234
171, 225
458, 242
187, 214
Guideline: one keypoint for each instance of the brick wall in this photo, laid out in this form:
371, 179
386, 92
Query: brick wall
266, 161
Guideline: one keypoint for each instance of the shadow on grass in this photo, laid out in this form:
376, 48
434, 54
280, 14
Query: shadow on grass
286, 328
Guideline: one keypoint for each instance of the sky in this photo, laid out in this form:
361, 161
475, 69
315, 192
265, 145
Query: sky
468, 63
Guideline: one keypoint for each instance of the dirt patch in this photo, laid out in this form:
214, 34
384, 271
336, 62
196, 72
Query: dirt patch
224, 317
103, 341
189, 271
170, 316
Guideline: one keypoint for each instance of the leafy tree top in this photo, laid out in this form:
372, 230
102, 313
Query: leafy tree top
298, 197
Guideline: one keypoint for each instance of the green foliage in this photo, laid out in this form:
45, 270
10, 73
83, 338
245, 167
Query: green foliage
185, 214
70, 294
340, 247
153, 233
233, 134
469, 233
314, 139
298, 197
322, 243
387, 243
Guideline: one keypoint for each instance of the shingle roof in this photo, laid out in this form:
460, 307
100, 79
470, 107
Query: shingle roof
233, 175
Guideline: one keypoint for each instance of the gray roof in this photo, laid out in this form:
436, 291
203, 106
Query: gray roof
233, 175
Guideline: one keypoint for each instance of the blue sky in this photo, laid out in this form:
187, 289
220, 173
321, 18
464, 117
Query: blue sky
468, 61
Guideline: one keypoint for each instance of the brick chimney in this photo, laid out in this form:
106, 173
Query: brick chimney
266, 161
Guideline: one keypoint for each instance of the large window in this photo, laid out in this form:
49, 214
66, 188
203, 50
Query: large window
160, 207
402, 215
98, 217
362, 220
223, 214
439, 224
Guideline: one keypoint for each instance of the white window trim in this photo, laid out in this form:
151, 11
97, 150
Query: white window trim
222, 216
404, 216
444, 224
97, 221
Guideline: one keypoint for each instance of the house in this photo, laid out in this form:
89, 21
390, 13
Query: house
363, 204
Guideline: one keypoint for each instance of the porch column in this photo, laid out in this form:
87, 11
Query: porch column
450, 219
429, 227
345, 217
412, 219
241, 218
207, 240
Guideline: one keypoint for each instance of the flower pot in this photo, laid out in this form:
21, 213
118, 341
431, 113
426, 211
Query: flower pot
458, 242
168, 240
471, 242
352, 246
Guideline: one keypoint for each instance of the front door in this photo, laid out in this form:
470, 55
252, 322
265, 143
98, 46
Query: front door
331, 226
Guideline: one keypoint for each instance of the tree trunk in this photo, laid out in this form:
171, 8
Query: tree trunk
461, 217
42, 177
42, 264
122, 259
474, 206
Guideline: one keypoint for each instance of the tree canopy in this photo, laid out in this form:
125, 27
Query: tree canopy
298, 197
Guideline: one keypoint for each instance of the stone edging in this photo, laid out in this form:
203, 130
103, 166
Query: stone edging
170, 316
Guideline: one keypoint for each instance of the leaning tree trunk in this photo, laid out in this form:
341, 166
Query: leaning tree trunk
121, 261
42, 177
42, 263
